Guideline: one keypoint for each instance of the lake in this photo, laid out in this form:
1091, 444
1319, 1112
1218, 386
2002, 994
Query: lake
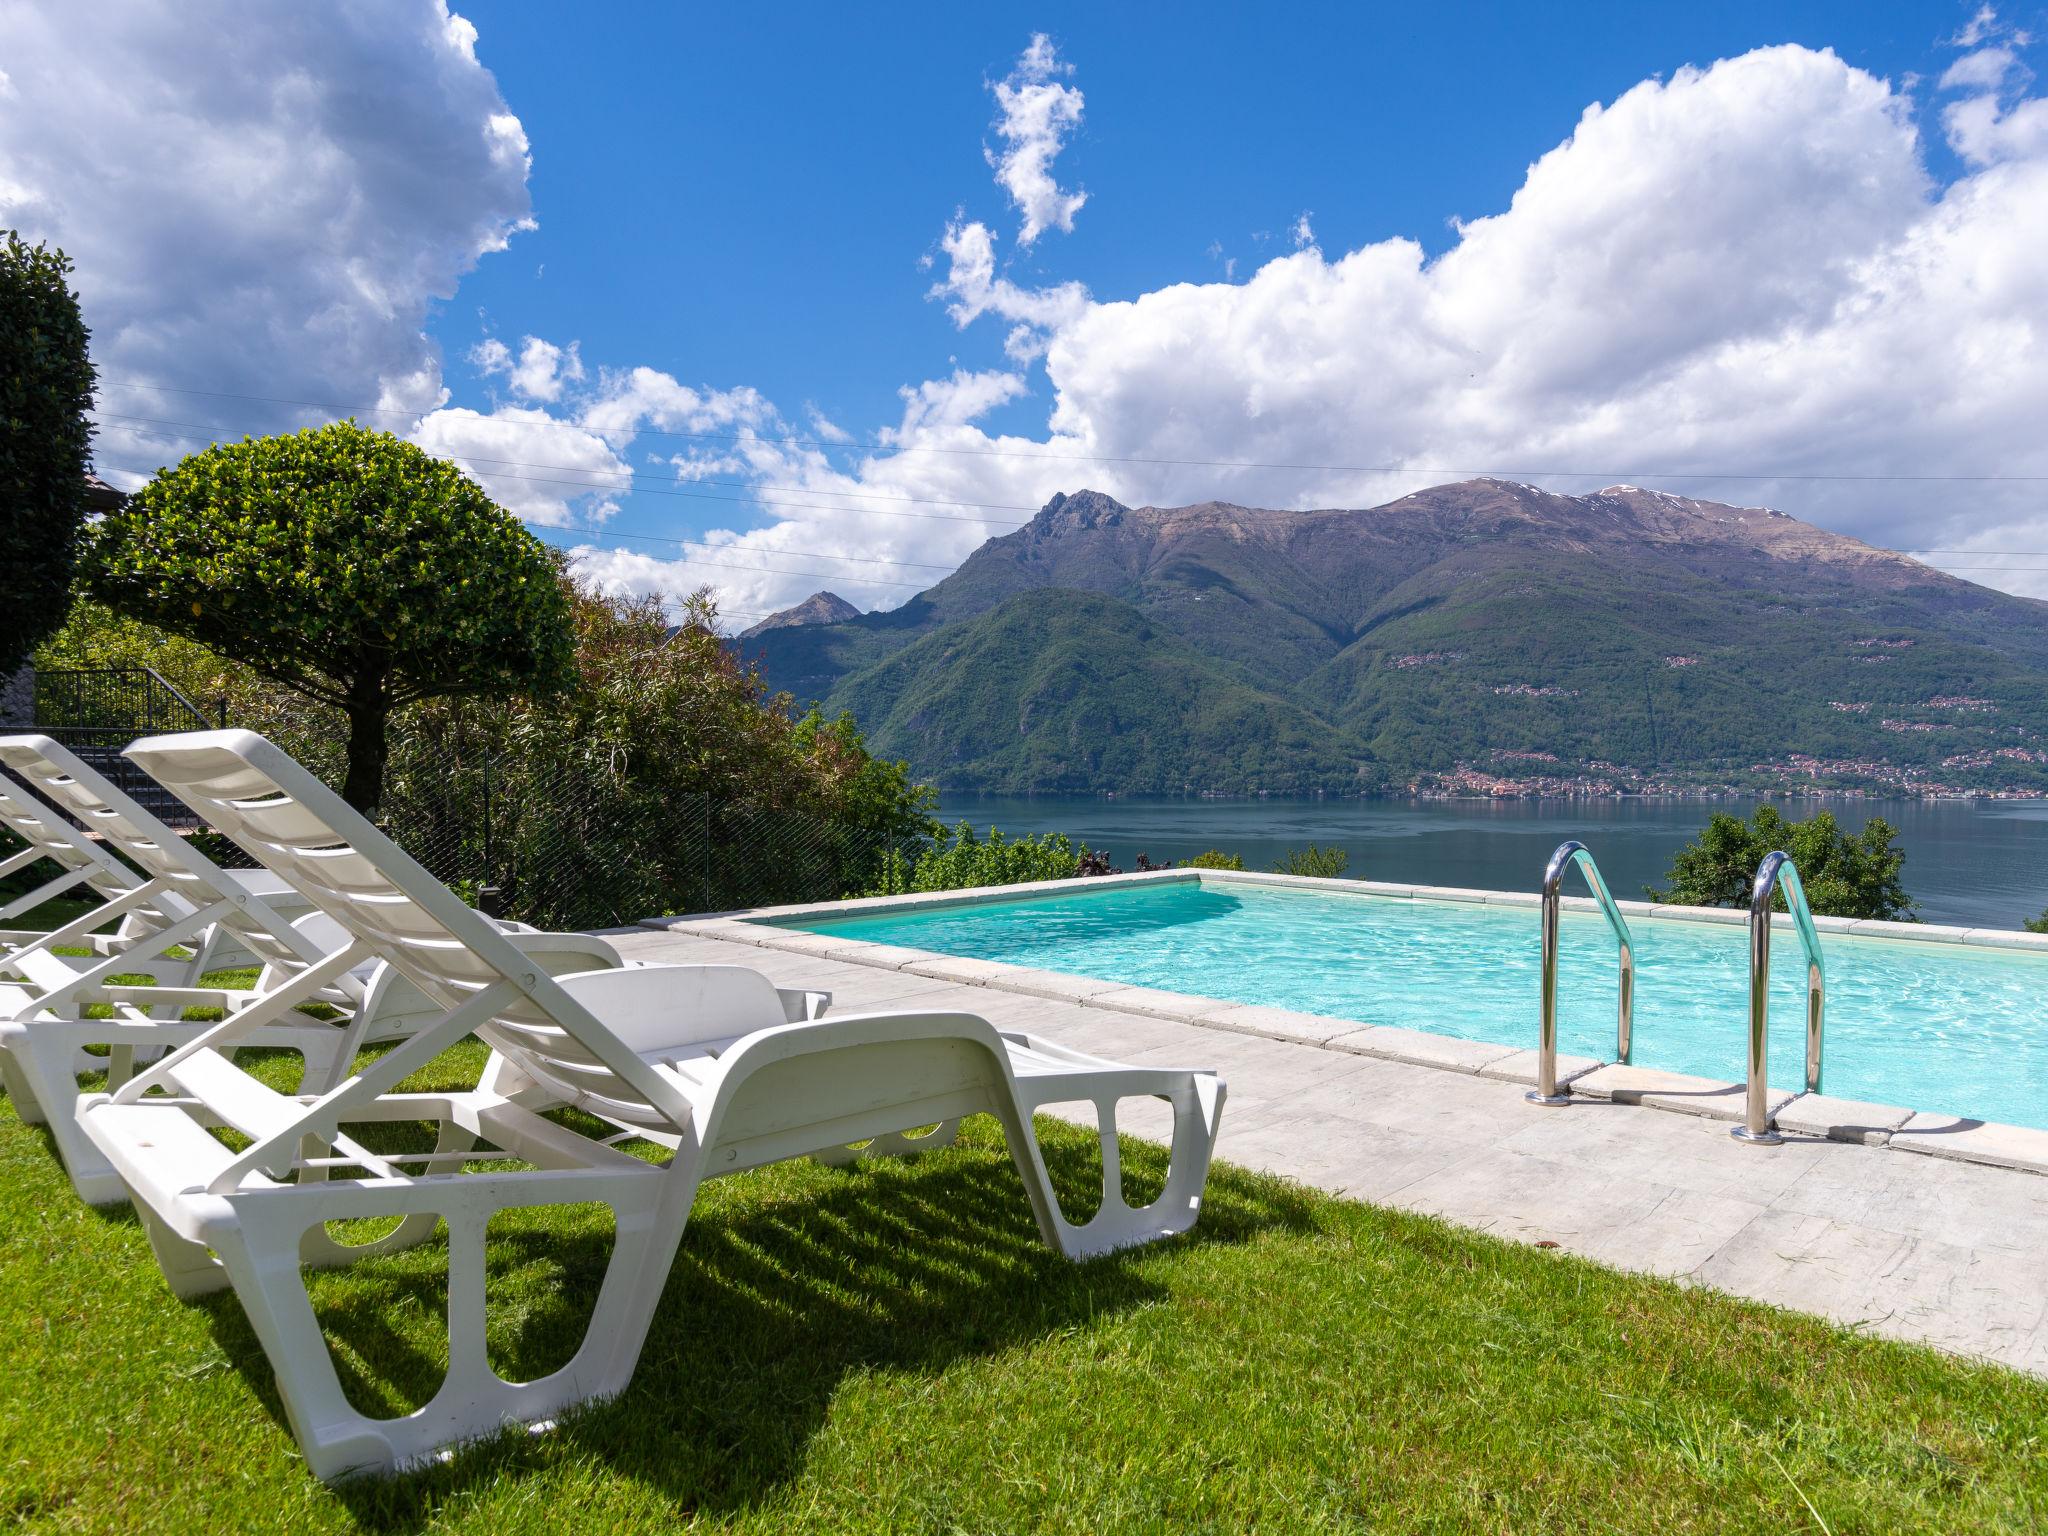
1978, 863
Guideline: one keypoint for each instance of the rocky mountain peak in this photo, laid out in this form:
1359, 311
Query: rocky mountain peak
1081, 510
818, 608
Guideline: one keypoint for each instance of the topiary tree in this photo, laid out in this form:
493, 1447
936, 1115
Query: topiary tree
1846, 874
345, 564
46, 388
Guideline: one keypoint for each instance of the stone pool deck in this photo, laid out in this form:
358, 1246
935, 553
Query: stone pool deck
1937, 1249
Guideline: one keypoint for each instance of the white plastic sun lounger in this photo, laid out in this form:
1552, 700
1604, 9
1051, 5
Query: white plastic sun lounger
81, 862
139, 905
188, 901
704, 1060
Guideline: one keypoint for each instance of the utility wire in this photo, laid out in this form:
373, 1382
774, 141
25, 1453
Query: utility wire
1093, 458
763, 570
202, 432
648, 490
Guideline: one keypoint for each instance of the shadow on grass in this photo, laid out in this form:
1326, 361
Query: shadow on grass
780, 1290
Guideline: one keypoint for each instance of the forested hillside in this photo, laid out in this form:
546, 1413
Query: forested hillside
1484, 635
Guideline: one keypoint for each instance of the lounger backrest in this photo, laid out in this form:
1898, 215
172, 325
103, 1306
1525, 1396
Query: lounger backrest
185, 874
62, 843
254, 792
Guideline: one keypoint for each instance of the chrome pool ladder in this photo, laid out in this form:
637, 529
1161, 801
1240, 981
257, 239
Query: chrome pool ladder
1546, 1090
1778, 870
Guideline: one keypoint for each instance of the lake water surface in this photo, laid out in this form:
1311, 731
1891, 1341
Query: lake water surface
1978, 863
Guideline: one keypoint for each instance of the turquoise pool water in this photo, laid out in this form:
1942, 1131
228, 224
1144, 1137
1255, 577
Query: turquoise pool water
1933, 1026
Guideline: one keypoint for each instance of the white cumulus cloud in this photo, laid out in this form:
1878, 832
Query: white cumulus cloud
1729, 283
260, 200
538, 467
1037, 112
540, 371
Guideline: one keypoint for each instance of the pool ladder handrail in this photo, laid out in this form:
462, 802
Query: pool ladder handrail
1777, 870
1546, 1090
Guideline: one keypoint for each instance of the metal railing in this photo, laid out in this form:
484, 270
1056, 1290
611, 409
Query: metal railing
140, 699
1546, 1089
1778, 870
98, 711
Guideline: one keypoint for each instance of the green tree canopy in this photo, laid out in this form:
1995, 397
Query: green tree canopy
45, 441
352, 567
1846, 874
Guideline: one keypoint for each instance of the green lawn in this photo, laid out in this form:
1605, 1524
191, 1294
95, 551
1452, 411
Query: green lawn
890, 1348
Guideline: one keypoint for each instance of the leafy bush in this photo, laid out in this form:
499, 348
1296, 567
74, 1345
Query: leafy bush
2036, 924
970, 861
45, 438
1324, 863
667, 778
1213, 860
1845, 874
352, 567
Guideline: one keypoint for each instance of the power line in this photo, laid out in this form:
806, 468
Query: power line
1091, 458
801, 554
202, 432
648, 490
761, 570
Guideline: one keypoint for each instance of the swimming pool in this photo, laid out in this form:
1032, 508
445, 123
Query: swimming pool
1940, 1026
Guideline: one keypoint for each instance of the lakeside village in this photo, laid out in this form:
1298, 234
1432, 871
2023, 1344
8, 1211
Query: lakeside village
1519, 775
1538, 775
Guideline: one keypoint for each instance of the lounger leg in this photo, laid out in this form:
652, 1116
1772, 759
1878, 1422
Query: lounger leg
474, 1400
1197, 1109
328, 1062
47, 1094
26, 1105
261, 1258
189, 1268
260, 1254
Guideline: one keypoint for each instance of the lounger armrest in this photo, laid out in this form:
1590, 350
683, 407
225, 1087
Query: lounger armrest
800, 1006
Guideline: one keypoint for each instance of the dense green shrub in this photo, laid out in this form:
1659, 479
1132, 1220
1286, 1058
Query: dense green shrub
971, 861
2036, 924
1324, 863
1213, 859
665, 779
1845, 874
46, 388
350, 566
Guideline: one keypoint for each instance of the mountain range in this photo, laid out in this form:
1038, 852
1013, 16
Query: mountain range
1485, 636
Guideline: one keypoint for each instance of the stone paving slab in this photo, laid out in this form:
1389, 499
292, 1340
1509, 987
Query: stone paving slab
1705, 1096
973, 973
1420, 1049
1054, 984
1157, 1003
1974, 1141
1936, 1248
1520, 1067
1276, 1023
1818, 1114
1616, 1215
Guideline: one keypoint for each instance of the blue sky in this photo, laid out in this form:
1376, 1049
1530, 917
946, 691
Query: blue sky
731, 201
759, 304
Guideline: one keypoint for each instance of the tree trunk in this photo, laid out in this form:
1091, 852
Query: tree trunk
369, 713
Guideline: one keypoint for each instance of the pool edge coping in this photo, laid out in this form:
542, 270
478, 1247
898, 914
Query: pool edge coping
1988, 1143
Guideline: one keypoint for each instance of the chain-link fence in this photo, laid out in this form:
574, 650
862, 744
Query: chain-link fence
566, 844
